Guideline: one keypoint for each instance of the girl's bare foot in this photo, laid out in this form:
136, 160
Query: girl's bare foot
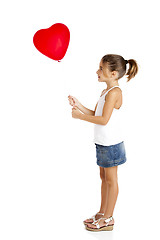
90, 220
101, 223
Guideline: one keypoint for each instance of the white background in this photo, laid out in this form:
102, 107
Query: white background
49, 180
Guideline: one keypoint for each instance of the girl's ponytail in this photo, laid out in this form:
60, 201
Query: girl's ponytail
133, 69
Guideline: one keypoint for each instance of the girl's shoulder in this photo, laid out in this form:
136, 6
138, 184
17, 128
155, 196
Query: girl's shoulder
115, 92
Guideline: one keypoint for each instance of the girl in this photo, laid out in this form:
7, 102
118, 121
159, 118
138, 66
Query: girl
110, 149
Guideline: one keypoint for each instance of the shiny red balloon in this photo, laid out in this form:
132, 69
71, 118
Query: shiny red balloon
53, 41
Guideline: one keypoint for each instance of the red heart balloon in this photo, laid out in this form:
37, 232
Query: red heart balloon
53, 41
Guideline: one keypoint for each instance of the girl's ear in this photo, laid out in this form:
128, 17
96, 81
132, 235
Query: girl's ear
115, 74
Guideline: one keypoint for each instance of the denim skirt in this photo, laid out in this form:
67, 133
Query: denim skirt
110, 156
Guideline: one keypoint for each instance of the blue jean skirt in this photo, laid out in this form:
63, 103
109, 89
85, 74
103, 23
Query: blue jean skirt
110, 156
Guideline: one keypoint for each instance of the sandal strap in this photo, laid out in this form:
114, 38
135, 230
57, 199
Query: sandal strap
100, 213
107, 220
96, 223
94, 216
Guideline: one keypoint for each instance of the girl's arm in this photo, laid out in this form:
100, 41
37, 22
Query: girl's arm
75, 103
86, 110
93, 119
110, 100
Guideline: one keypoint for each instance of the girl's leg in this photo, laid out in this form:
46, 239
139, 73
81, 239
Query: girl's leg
103, 196
112, 183
109, 193
104, 190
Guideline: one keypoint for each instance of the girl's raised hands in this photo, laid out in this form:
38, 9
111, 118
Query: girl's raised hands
76, 113
73, 101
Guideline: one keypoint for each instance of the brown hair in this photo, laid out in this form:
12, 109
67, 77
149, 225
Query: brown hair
118, 63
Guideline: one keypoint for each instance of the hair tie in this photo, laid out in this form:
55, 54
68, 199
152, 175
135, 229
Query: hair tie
126, 61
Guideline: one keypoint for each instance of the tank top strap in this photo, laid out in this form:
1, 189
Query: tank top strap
111, 89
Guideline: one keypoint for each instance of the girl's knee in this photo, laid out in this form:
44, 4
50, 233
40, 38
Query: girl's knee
111, 176
111, 180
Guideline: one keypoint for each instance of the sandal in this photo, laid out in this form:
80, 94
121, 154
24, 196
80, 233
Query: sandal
104, 228
92, 218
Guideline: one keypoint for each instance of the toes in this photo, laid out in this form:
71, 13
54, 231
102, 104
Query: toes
88, 221
90, 225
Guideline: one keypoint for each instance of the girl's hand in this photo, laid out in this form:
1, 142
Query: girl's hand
76, 113
73, 101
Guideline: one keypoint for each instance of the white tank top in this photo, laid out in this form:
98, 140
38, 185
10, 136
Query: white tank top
111, 133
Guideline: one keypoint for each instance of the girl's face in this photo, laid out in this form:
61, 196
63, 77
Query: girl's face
104, 75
